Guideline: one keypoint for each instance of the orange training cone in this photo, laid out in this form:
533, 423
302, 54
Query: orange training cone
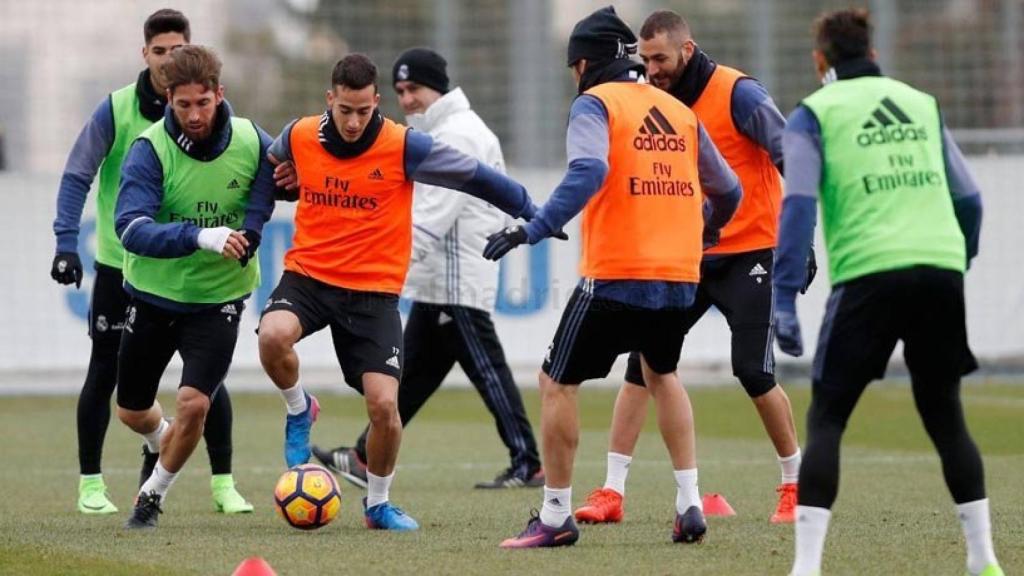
716, 505
254, 566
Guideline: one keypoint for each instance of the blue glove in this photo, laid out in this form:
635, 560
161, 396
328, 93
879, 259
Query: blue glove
250, 252
787, 333
499, 243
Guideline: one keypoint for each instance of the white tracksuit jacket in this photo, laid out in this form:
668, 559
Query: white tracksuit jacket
450, 228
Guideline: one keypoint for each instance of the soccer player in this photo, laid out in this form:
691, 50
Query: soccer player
640, 165
349, 257
902, 217
745, 125
451, 285
196, 189
101, 147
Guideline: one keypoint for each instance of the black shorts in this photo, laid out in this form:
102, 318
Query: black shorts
865, 317
594, 331
109, 305
365, 326
205, 340
740, 287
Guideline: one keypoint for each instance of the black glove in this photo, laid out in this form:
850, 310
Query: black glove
499, 243
254, 242
812, 271
711, 237
286, 195
67, 268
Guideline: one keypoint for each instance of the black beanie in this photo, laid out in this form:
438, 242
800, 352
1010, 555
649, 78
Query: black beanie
422, 66
601, 36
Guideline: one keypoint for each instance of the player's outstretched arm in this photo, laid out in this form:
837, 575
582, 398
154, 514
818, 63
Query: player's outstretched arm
430, 161
587, 147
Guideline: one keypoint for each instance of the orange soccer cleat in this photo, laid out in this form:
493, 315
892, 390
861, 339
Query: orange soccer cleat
785, 513
603, 505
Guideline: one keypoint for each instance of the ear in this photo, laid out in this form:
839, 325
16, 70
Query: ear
820, 63
330, 98
170, 96
220, 94
376, 99
872, 55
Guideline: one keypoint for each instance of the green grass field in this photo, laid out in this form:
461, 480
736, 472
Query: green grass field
893, 515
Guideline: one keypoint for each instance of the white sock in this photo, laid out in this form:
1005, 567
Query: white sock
159, 481
977, 526
686, 492
811, 528
557, 506
295, 399
377, 488
618, 469
152, 439
790, 467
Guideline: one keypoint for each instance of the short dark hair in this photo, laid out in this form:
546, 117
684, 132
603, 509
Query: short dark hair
193, 64
166, 20
355, 71
663, 21
843, 34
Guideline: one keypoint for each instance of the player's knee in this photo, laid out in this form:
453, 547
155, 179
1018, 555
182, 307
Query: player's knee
191, 409
276, 337
383, 411
131, 418
756, 383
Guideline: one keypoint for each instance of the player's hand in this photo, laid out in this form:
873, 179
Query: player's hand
787, 333
250, 251
224, 241
286, 179
711, 237
67, 268
499, 243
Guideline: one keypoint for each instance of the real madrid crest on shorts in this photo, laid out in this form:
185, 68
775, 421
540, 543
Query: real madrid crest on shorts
101, 323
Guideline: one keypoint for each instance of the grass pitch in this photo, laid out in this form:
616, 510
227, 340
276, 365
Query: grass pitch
893, 515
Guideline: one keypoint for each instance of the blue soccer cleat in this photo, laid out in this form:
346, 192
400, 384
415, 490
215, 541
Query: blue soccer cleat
296, 432
540, 535
385, 516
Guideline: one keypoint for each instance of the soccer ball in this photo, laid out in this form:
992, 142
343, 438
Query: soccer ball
307, 497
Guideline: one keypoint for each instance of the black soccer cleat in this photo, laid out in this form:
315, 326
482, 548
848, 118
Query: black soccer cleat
689, 526
149, 460
345, 462
508, 478
146, 513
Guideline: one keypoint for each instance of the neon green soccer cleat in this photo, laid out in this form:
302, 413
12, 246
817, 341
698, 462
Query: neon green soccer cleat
990, 570
226, 498
92, 496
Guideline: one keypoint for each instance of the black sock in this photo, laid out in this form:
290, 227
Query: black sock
217, 432
94, 404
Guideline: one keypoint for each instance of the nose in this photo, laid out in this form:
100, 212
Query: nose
652, 69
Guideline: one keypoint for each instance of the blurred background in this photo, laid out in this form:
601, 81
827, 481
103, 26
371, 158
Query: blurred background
59, 58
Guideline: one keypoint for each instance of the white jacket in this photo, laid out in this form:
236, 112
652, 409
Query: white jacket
451, 228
